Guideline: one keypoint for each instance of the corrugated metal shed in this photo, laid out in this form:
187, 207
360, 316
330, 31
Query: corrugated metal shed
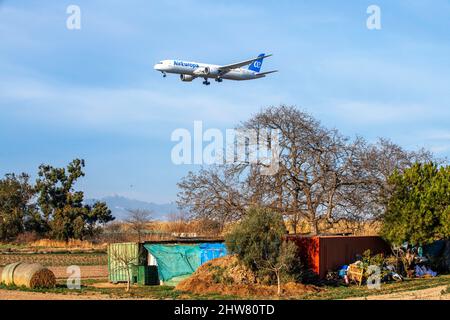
122, 256
327, 253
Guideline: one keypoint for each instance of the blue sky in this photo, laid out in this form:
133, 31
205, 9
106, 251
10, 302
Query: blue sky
93, 93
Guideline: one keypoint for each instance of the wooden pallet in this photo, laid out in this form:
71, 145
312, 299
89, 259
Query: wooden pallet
356, 274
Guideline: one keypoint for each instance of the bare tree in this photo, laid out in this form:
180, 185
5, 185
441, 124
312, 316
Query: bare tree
283, 263
315, 165
122, 261
323, 176
214, 194
179, 222
113, 232
138, 221
379, 161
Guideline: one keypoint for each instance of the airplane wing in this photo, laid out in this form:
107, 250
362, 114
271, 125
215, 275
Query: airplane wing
268, 72
224, 69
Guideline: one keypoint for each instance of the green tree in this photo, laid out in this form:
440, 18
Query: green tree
98, 214
17, 213
62, 207
418, 210
258, 241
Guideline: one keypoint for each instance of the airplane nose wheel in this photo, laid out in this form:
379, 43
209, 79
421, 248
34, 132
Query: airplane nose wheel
206, 82
164, 74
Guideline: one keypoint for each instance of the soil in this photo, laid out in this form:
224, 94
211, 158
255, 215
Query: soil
109, 285
87, 272
23, 295
226, 276
426, 294
80, 259
435, 293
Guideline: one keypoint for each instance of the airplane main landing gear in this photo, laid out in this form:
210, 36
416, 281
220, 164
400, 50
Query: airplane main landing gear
219, 79
206, 82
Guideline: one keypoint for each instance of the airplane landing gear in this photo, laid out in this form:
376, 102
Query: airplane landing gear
164, 74
206, 82
219, 79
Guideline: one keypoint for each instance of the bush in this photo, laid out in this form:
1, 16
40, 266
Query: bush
258, 241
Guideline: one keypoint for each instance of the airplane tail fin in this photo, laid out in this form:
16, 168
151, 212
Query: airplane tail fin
257, 64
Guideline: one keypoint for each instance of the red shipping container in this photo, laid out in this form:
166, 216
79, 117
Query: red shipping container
322, 254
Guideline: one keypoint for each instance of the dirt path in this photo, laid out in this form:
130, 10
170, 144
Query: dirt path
21, 295
425, 294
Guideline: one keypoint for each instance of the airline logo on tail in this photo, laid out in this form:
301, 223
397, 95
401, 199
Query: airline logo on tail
257, 64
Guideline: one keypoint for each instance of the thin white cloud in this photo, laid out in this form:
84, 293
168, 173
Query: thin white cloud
375, 113
436, 140
393, 76
438, 135
116, 108
440, 149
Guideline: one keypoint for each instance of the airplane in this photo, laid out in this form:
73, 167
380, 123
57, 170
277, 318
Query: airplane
188, 71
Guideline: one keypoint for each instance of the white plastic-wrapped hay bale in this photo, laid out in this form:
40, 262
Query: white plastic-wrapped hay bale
8, 273
29, 275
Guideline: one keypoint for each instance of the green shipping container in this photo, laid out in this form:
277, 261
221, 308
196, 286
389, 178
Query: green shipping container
123, 256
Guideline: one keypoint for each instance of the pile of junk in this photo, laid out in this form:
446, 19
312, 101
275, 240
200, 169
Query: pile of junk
407, 261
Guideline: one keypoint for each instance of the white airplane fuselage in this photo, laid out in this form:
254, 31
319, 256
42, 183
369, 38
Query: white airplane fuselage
203, 70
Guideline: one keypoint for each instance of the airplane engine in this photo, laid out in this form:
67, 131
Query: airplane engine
203, 71
186, 77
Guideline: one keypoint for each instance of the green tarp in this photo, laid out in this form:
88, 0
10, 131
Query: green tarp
176, 260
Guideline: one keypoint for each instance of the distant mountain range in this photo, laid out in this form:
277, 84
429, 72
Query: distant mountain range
119, 205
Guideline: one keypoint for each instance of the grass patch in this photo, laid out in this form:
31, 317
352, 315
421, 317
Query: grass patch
343, 292
60, 289
9, 246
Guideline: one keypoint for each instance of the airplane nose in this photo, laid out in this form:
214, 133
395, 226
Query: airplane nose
156, 67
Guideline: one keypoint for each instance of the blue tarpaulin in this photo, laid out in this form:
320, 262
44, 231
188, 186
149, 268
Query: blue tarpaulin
209, 251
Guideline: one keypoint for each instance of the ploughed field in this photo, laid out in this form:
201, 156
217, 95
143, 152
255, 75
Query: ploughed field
92, 265
55, 259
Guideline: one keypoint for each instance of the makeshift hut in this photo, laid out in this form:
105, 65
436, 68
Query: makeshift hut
167, 262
